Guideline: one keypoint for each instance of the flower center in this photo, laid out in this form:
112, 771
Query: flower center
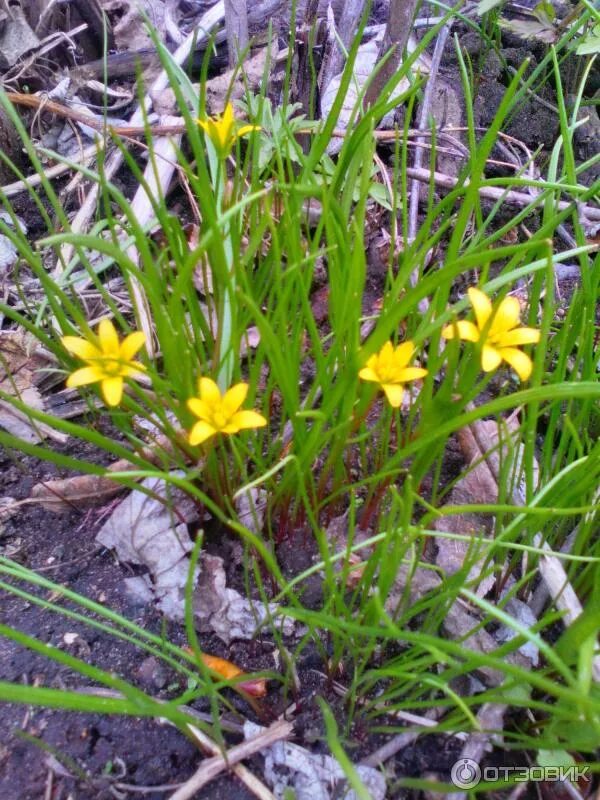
387, 374
494, 338
111, 366
220, 419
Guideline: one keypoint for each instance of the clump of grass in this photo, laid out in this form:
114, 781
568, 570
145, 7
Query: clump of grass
300, 415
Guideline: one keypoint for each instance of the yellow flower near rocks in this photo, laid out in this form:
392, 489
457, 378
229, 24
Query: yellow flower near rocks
108, 362
495, 329
221, 130
220, 413
389, 368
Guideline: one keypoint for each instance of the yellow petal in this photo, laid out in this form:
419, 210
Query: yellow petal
403, 354
411, 374
394, 393
112, 390
368, 374
209, 391
109, 340
80, 347
214, 131
200, 432
386, 353
131, 344
248, 419
466, 330
198, 407
246, 129
234, 398
490, 358
227, 121
132, 370
518, 360
481, 306
507, 316
518, 336
83, 376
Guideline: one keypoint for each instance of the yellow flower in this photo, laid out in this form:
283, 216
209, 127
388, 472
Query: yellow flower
389, 368
221, 130
220, 413
499, 339
108, 362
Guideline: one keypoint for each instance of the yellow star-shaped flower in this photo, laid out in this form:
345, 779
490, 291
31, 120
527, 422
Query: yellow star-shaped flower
108, 362
500, 337
222, 132
389, 368
220, 413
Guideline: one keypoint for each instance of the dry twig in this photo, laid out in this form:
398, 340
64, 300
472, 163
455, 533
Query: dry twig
213, 766
396, 36
202, 31
236, 25
333, 62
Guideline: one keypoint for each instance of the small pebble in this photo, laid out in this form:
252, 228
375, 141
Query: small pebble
152, 674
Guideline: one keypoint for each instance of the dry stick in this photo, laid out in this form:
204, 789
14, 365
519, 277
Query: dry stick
396, 36
334, 60
561, 591
236, 26
592, 213
415, 187
252, 783
213, 766
201, 31
490, 718
157, 177
422, 126
12, 189
540, 596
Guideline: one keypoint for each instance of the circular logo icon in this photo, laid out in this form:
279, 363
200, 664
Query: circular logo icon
465, 773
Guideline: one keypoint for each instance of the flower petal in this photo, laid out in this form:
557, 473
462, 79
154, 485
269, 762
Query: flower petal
248, 419
466, 330
246, 129
234, 398
209, 391
112, 390
200, 432
518, 336
131, 344
199, 407
403, 354
518, 360
490, 358
83, 376
482, 306
507, 316
411, 374
109, 339
394, 393
385, 355
132, 370
80, 347
368, 374
226, 122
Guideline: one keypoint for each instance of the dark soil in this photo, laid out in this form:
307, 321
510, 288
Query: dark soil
139, 752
